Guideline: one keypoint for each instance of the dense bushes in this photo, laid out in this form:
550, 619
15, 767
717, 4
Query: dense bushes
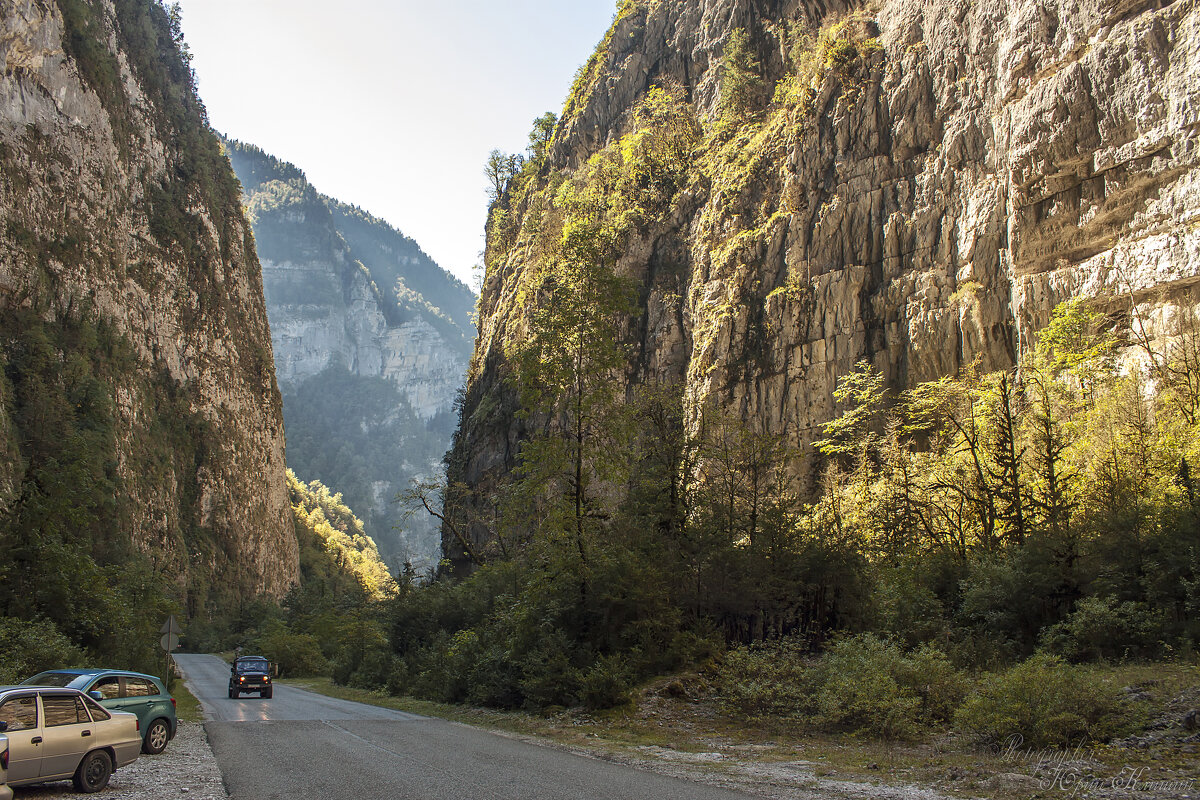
507, 638
1102, 628
31, 646
862, 684
1045, 702
869, 686
296, 655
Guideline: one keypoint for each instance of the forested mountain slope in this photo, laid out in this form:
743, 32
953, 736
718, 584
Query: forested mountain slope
140, 423
371, 340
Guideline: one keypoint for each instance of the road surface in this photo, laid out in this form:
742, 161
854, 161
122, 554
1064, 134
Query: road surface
302, 745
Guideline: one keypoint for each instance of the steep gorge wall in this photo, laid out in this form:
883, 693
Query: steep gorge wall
937, 179
119, 214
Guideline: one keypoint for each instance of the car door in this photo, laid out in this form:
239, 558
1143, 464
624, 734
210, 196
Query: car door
109, 689
24, 736
68, 733
138, 694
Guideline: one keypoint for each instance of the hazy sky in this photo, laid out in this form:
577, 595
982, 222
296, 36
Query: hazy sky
392, 104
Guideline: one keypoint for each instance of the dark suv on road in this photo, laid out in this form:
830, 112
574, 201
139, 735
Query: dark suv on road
250, 674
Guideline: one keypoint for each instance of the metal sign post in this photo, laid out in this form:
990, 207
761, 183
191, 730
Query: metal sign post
169, 641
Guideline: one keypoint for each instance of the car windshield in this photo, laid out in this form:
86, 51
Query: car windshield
50, 679
257, 665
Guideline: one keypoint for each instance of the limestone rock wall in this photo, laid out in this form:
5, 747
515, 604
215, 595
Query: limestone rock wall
323, 264
961, 170
117, 208
314, 324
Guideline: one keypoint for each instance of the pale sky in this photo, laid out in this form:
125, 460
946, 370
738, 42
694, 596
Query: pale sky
392, 105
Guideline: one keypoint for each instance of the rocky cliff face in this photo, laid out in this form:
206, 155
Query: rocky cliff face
913, 183
131, 307
343, 287
358, 310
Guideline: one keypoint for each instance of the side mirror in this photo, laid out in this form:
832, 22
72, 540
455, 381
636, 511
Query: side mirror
95, 695
3, 726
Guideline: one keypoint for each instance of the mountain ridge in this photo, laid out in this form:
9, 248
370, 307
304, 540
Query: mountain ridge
348, 298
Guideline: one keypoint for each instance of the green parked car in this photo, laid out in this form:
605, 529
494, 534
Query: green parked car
117, 690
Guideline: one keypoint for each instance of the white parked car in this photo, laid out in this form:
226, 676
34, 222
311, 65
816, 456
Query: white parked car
5, 792
59, 734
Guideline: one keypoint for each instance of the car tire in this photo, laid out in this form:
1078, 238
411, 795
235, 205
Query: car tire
268, 693
93, 772
233, 694
157, 736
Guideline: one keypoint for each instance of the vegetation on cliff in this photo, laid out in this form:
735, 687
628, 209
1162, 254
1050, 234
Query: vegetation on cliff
70, 574
354, 431
1008, 521
330, 622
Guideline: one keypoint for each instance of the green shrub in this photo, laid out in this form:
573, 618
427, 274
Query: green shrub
1100, 627
938, 684
548, 678
1009, 599
32, 647
606, 683
297, 655
772, 679
906, 609
871, 686
494, 678
1046, 702
741, 77
373, 671
862, 685
860, 692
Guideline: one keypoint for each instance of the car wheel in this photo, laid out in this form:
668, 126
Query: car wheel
93, 772
157, 736
268, 693
233, 694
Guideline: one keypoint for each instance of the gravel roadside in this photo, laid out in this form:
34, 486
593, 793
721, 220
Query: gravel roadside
185, 769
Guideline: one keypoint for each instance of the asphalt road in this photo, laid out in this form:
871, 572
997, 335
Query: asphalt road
301, 745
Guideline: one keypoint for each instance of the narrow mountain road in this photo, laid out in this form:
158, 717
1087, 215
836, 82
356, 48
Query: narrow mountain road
208, 678
301, 745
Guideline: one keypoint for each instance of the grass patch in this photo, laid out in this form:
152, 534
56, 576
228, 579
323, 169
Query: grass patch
513, 721
187, 707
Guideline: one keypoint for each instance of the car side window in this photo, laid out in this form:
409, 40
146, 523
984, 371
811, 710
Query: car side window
98, 712
63, 710
20, 713
110, 687
139, 687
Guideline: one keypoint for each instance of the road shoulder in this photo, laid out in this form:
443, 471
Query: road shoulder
185, 769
